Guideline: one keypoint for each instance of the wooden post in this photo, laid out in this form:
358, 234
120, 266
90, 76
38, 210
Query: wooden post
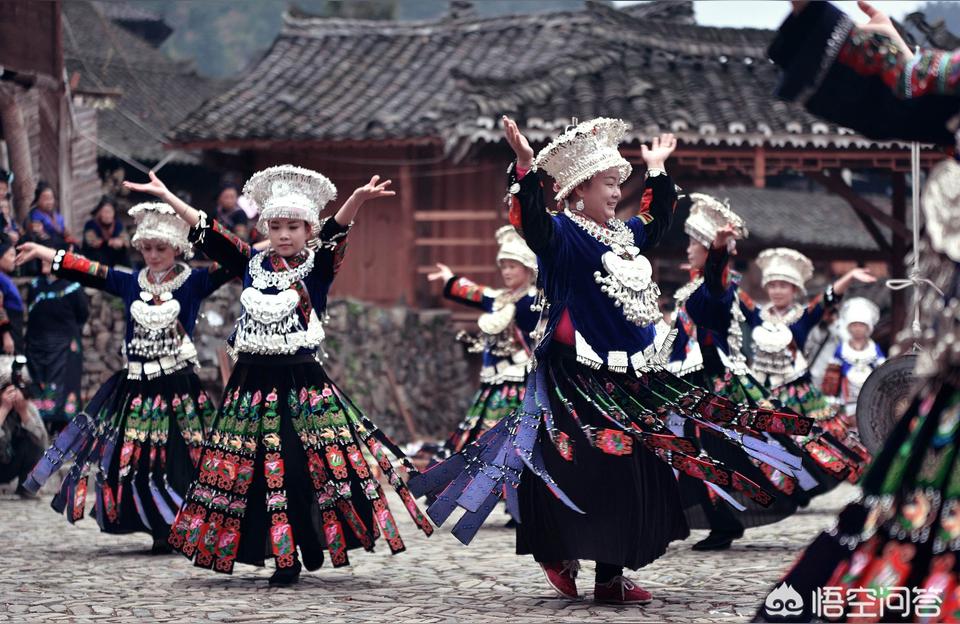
759, 167
406, 239
18, 143
899, 251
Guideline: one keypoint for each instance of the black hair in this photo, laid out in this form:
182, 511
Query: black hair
41, 187
104, 200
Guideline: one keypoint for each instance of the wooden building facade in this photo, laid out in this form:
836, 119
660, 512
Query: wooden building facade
419, 102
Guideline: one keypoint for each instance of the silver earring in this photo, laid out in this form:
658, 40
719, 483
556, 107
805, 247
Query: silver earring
579, 205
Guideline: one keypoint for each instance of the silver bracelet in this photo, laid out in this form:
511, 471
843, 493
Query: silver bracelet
657, 171
58, 259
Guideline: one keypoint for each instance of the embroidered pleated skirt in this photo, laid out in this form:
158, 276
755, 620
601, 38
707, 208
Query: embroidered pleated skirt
630, 498
904, 532
142, 438
285, 470
706, 510
491, 404
836, 451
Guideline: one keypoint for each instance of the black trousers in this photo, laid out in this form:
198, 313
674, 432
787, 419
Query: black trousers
26, 454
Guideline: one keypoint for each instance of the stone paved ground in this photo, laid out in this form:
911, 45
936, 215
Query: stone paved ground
54, 572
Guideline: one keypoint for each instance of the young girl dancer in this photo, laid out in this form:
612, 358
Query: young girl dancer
510, 317
284, 468
144, 428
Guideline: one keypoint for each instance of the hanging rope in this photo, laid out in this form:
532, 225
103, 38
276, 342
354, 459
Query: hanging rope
914, 279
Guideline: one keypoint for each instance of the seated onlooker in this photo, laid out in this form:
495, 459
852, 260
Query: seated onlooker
12, 302
22, 434
8, 221
104, 238
230, 213
44, 223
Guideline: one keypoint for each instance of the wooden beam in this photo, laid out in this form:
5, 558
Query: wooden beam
17, 136
837, 186
407, 234
457, 215
455, 242
460, 269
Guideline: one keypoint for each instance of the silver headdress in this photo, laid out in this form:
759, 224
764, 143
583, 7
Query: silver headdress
158, 221
289, 192
513, 247
707, 216
788, 265
583, 151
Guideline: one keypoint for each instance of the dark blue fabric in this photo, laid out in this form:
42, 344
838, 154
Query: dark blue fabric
198, 286
53, 227
844, 96
800, 329
845, 366
568, 257
11, 296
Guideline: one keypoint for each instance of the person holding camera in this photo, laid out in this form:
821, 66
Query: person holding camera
22, 434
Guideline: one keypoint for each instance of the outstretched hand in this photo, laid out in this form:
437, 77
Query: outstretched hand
154, 187
374, 189
518, 143
32, 251
659, 151
879, 23
858, 274
443, 272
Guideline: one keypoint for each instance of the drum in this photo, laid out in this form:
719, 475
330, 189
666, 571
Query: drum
885, 396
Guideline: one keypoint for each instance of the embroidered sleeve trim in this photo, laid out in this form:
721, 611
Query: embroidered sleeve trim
220, 229
74, 262
463, 288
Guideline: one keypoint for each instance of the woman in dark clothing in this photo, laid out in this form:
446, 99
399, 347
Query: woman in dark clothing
56, 313
104, 238
588, 459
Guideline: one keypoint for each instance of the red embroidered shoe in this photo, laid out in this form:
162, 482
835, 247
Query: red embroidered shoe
621, 590
562, 577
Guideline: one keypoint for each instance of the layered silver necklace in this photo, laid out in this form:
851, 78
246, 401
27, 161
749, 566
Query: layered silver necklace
615, 234
160, 288
629, 280
281, 280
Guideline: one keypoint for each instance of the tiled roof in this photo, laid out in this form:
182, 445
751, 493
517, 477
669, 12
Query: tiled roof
799, 218
155, 92
450, 79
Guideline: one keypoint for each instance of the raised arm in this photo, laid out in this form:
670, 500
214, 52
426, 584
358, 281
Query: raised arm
709, 305
831, 297
528, 208
331, 241
374, 189
659, 198
159, 190
76, 268
215, 240
462, 290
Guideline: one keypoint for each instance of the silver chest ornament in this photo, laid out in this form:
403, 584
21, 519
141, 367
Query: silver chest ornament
772, 340
156, 331
861, 362
629, 279
270, 323
629, 282
493, 323
858, 373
